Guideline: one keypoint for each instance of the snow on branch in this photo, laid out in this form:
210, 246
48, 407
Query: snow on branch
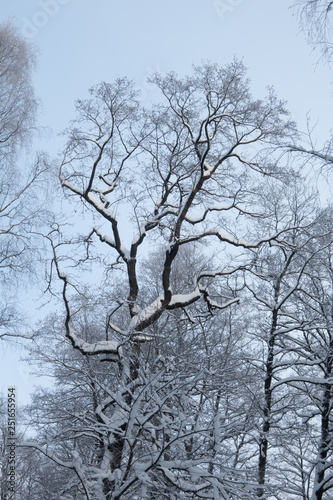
148, 315
197, 220
47, 453
233, 241
122, 250
326, 157
74, 465
309, 380
184, 300
100, 347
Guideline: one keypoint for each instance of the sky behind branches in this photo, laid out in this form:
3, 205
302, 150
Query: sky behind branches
82, 43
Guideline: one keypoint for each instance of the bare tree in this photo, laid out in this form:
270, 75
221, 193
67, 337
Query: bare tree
316, 21
18, 104
315, 362
171, 164
183, 171
316, 18
273, 279
297, 403
18, 107
193, 405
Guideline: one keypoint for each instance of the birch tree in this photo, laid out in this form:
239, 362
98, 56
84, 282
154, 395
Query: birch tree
18, 106
316, 20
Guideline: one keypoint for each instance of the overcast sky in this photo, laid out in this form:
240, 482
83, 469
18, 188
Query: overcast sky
81, 43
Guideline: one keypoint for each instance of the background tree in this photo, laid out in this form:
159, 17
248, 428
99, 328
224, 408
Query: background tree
273, 279
316, 18
18, 107
18, 104
316, 21
314, 362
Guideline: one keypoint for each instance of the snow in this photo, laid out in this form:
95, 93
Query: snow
125, 252
70, 186
142, 338
208, 170
146, 313
183, 300
107, 212
141, 234
179, 300
102, 346
107, 239
110, 241
223, 237
224, 305
310, 380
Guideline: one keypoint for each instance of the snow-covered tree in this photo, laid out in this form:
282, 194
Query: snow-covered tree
314, 364
152, 182
273, 279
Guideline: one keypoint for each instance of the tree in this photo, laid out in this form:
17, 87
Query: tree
18, 104
18, 107
193, 404
316, 20
117, 149
273, 279
297, 400
315, 361
184, 172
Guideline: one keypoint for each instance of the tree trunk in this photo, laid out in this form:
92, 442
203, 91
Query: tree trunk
263, 441
318, 489
130, 373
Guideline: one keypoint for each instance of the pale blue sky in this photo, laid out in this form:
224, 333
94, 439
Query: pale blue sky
82, 42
